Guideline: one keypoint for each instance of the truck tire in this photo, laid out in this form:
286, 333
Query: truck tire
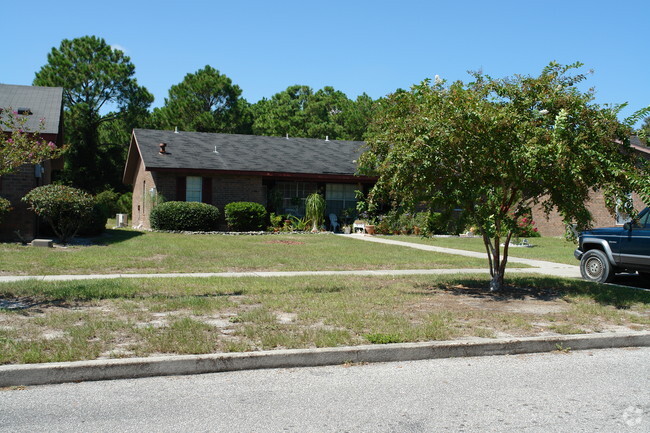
594, 266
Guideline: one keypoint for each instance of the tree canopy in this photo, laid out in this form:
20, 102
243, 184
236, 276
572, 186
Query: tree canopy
301, 112
644, 131
99, 87
497, 147
205, 101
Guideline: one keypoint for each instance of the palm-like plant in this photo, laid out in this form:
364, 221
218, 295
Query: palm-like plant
315, 210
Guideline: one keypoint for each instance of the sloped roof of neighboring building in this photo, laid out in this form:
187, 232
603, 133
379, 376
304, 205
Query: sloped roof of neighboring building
43, 102
637, 144
245, 153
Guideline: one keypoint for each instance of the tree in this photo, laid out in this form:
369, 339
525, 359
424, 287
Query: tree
99, 88
301, 112
357, 117
497, 147
285, 113
644, 131
205, 101
19, 146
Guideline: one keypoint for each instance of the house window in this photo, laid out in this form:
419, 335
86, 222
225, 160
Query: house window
294, 195
340, 196
622, 217
193, 188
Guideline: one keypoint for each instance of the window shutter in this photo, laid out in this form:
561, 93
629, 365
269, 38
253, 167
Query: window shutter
206, 193
180, 188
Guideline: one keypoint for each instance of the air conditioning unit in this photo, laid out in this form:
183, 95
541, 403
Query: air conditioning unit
122, 219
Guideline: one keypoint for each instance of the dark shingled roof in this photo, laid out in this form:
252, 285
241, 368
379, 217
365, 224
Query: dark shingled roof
250, 153
44, 102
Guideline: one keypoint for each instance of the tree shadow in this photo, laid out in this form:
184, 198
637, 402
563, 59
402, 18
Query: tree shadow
113, 236
540, 288
479, 289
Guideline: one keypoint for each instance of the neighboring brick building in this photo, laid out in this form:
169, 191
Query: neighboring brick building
35, 103
602, 217
222, 168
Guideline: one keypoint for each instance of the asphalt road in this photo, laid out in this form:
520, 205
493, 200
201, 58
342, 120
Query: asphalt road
590, 391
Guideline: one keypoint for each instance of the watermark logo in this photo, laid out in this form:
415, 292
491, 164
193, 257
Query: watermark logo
632, 416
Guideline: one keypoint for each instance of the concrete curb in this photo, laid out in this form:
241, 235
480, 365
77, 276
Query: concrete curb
51, 373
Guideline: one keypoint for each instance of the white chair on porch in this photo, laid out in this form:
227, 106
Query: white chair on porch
334, 222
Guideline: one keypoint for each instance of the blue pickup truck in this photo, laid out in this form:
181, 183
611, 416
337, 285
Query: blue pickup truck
605, 251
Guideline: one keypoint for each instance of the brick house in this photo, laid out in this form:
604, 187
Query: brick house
218, 169
34, 103
602, 217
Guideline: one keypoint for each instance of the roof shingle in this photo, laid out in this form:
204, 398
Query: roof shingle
44, 102
196, 150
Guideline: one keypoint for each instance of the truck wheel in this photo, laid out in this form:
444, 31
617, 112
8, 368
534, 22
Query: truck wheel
594, 266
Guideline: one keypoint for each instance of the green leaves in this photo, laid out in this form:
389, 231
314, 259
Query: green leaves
19, 146
301, 112
205, 101
496, 147
99, 88
63, 207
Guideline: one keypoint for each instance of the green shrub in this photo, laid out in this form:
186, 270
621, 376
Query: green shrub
275, 222
64, 208
182, 215
125, 203
447, 223
95, 223
107, 202
243, 216
5, 207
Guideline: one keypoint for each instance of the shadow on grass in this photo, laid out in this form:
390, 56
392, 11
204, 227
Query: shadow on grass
541, 288
30, 294
114, 236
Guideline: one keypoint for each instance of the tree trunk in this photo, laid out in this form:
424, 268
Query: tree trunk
496, 283
497, 260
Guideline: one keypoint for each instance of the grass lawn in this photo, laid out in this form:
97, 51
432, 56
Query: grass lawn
127, 251
545, 248
65, 321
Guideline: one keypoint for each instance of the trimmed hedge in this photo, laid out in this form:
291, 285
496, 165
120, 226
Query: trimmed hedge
64, 208
185, 216
244, 216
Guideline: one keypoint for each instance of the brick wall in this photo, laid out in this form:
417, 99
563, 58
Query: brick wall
13, 187
225, 189
142, 182
553, 226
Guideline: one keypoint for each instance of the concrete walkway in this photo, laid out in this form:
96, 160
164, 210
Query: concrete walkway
537, 267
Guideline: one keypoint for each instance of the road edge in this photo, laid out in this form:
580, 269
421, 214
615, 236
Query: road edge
131, 368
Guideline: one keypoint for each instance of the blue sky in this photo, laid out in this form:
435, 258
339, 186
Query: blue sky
354, 46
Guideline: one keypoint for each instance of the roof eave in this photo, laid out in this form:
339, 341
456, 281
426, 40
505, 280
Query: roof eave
268, 174
131, 160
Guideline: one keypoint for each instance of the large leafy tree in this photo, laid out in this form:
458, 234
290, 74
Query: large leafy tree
205, 101
497, 147
301, 112
358, 116
285, 113
99, 88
